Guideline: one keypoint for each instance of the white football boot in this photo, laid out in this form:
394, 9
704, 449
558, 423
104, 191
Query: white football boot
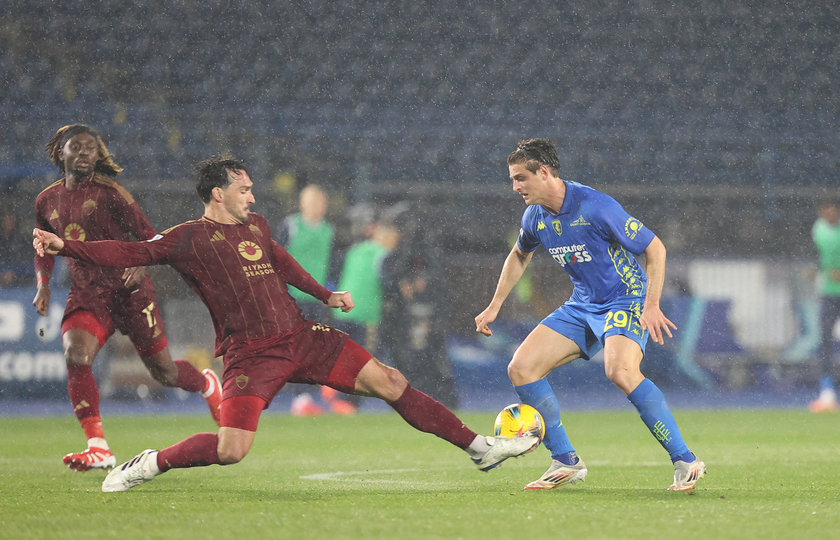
502, 448
142, 468
560, 474
686, 475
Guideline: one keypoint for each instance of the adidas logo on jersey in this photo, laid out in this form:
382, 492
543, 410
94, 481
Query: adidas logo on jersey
217, 237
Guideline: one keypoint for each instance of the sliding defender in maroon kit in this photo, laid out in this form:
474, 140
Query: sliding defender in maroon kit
242, 275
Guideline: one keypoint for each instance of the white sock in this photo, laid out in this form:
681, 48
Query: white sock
98, 442
153, 466
479, 446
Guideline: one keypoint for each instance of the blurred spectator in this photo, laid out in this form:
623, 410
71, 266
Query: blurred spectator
308, 237
826, 235
411, 308
15, 253
361, 275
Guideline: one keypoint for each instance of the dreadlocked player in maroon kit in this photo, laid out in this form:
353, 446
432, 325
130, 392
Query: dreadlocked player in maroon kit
88, 204
230, 260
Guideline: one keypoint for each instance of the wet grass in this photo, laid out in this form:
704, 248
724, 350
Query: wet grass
772, 474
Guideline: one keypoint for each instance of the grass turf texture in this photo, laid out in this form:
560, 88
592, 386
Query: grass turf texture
772, 474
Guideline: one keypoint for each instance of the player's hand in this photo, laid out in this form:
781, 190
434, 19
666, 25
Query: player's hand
483, 320
42, 299
133, 276
655, 322
46, 243
341, 300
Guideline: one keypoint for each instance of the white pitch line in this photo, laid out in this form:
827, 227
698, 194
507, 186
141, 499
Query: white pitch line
346, 475
339, 476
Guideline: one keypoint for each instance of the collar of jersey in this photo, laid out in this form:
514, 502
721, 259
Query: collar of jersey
565, 207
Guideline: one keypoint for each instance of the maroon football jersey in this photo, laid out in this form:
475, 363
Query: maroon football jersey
99, 209
238, 271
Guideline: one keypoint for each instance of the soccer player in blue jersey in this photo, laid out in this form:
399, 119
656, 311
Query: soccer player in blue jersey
614, 306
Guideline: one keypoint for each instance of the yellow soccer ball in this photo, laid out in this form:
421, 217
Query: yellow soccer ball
519, 420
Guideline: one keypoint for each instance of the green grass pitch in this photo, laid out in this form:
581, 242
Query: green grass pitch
772, 474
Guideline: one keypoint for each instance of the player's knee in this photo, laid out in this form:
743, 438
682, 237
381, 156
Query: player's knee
396, 384
230, 454
624, 379
613, 373
520, 372
78, 355
389, 383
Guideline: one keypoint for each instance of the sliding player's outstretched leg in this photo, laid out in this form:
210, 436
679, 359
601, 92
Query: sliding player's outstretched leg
426, 414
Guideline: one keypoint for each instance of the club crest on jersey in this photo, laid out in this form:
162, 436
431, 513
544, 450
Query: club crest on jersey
632, 227
250, 251
579, 222
241, 381
88, 207
74, 231
558, 227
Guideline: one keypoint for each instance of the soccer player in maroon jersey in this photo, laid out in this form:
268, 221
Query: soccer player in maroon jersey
230, 260
88, 204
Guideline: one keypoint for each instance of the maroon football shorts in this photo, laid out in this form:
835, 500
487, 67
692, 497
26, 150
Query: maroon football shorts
242, 412
134, 312
312, 353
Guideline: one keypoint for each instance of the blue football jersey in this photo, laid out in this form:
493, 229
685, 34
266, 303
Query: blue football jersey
590, 238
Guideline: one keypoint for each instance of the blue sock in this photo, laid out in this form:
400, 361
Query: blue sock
826, 382
656, 415
540, 396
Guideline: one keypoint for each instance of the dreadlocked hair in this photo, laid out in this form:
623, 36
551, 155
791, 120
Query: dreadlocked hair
534, 153
105, 164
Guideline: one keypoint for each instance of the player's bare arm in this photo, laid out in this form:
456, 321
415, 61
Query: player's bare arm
42, 294
341, 300
652, 319
43, 243
515, 264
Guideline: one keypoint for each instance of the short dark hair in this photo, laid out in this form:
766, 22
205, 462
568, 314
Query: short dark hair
106, 163
535, 153
213, 172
